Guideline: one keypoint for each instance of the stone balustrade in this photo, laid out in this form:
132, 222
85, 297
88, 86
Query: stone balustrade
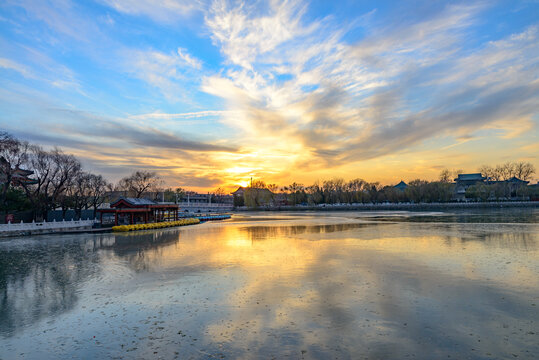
48, 226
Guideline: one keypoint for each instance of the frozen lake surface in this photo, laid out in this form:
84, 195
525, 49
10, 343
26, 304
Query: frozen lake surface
345, 285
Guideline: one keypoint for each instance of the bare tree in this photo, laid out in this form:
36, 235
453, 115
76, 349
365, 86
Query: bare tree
296, 192
489, 172
40, 162
258, 184
66, 168
139, 183
76, 194
505, 171
13, 154
273, 188
445, 176
53, 171
97, 189
219, 192
524, 170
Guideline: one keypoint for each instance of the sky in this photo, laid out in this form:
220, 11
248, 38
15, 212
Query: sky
209, 93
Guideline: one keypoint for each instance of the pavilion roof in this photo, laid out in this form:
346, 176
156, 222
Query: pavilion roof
240, 190
470, 177
514, 179
132, 202
401, 185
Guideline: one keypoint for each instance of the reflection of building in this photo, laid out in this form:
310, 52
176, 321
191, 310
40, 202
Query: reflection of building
134, 210
464, 181
401, 186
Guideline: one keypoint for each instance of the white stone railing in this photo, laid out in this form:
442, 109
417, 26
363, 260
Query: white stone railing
53, 225
203, 204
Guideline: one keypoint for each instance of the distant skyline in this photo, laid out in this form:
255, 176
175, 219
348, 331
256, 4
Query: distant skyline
211, 93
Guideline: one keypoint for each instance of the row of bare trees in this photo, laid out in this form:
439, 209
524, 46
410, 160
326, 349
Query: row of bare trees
59, 180
339, 191
501, 172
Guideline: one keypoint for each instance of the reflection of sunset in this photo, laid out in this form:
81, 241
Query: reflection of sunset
283, 250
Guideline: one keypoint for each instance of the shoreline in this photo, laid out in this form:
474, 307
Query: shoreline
418, 207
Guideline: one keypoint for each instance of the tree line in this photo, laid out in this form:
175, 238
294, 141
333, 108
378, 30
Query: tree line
340, 191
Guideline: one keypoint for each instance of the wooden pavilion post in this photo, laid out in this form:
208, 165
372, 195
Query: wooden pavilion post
115, 218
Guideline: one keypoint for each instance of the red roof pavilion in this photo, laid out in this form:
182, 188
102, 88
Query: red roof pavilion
140, 210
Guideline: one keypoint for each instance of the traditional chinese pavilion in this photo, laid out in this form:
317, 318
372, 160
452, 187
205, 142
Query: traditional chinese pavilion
19, 176
138, 211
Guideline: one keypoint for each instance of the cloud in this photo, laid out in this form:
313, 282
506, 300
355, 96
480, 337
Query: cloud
244, 32
62, 16
344, 102
188, 115
190, 60
21, 69
169, 11
170, 73
120, 130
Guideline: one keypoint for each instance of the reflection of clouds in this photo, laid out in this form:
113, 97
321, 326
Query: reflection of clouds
341, 286
41, 280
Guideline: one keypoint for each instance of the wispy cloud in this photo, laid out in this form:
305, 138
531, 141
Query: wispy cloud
162, 11
389, 91
120, 130
167, 72
21, 69
61, 16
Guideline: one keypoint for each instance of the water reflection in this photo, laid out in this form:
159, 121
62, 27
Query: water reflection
483, 216
313, 287
40, 280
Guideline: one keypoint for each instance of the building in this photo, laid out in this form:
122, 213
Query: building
112, 196
256, 196
238, 196
19, 177
401, 186
464, 181
505, 189
239, 192
515, 186
137, 211
196, 198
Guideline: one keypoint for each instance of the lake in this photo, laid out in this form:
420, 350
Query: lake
339, 285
